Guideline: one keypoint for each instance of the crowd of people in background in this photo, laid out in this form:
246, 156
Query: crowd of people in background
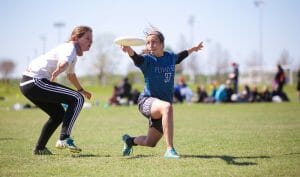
228, 91
215, 92
225, 94
182, 92
123, 94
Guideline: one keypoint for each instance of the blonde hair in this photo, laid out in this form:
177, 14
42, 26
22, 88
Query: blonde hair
78, 32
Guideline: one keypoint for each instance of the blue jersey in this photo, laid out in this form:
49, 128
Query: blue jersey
159, 75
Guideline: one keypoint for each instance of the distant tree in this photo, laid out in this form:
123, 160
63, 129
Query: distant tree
218, 61
254, 69
106, 60
285, 58
7, 66
253, 60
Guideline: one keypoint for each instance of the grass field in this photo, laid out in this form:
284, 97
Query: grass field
261, 139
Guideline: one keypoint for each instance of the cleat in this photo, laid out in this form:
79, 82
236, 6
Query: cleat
171, 153
69, 144
44, 151
127, 149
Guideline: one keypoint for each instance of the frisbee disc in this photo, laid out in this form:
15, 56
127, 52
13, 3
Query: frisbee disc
129, 41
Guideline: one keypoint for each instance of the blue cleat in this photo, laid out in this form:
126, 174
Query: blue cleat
127, 149
171, 153
67, 144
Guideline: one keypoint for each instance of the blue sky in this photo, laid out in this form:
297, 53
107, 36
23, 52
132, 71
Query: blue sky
233, 24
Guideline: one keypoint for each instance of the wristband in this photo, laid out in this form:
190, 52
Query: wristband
80, 90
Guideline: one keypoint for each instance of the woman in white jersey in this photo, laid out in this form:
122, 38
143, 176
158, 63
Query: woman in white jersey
39, 86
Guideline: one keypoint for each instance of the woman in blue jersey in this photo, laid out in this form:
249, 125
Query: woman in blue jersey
39, 86
155, 102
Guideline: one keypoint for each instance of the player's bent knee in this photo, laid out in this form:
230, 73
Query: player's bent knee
151, 144
167, 106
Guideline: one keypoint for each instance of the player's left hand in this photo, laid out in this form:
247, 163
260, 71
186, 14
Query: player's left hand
87, 94
198, 47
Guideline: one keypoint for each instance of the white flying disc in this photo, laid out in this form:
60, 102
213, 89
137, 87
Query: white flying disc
130, 41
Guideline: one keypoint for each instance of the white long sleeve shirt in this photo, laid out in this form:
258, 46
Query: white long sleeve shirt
44, 65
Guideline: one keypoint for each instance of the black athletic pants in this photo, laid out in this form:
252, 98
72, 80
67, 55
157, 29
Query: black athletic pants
49, 97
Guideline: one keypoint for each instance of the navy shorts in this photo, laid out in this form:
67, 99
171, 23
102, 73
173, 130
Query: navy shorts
144, 105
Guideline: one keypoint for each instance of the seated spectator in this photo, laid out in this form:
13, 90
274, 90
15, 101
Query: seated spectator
113, 100
254, 96
279, 96
187, 93
211, 97
221, 94
124, 90
214, 88
265, 95
244, 96
182, 92
224, 92
178, 98
229, 91
135, 96
201, 93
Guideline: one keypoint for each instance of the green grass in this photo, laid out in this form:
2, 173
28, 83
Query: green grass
261, 139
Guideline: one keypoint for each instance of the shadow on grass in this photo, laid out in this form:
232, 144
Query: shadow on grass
292, 153
230, 160
88, 155
7, 139
139, 156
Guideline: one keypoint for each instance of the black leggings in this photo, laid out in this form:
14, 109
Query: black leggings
49, 97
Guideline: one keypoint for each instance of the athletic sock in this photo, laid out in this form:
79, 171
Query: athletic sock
130, 141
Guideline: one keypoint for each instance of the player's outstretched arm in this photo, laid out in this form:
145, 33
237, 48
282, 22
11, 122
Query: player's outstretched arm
128, 50
137, 59
195, 48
